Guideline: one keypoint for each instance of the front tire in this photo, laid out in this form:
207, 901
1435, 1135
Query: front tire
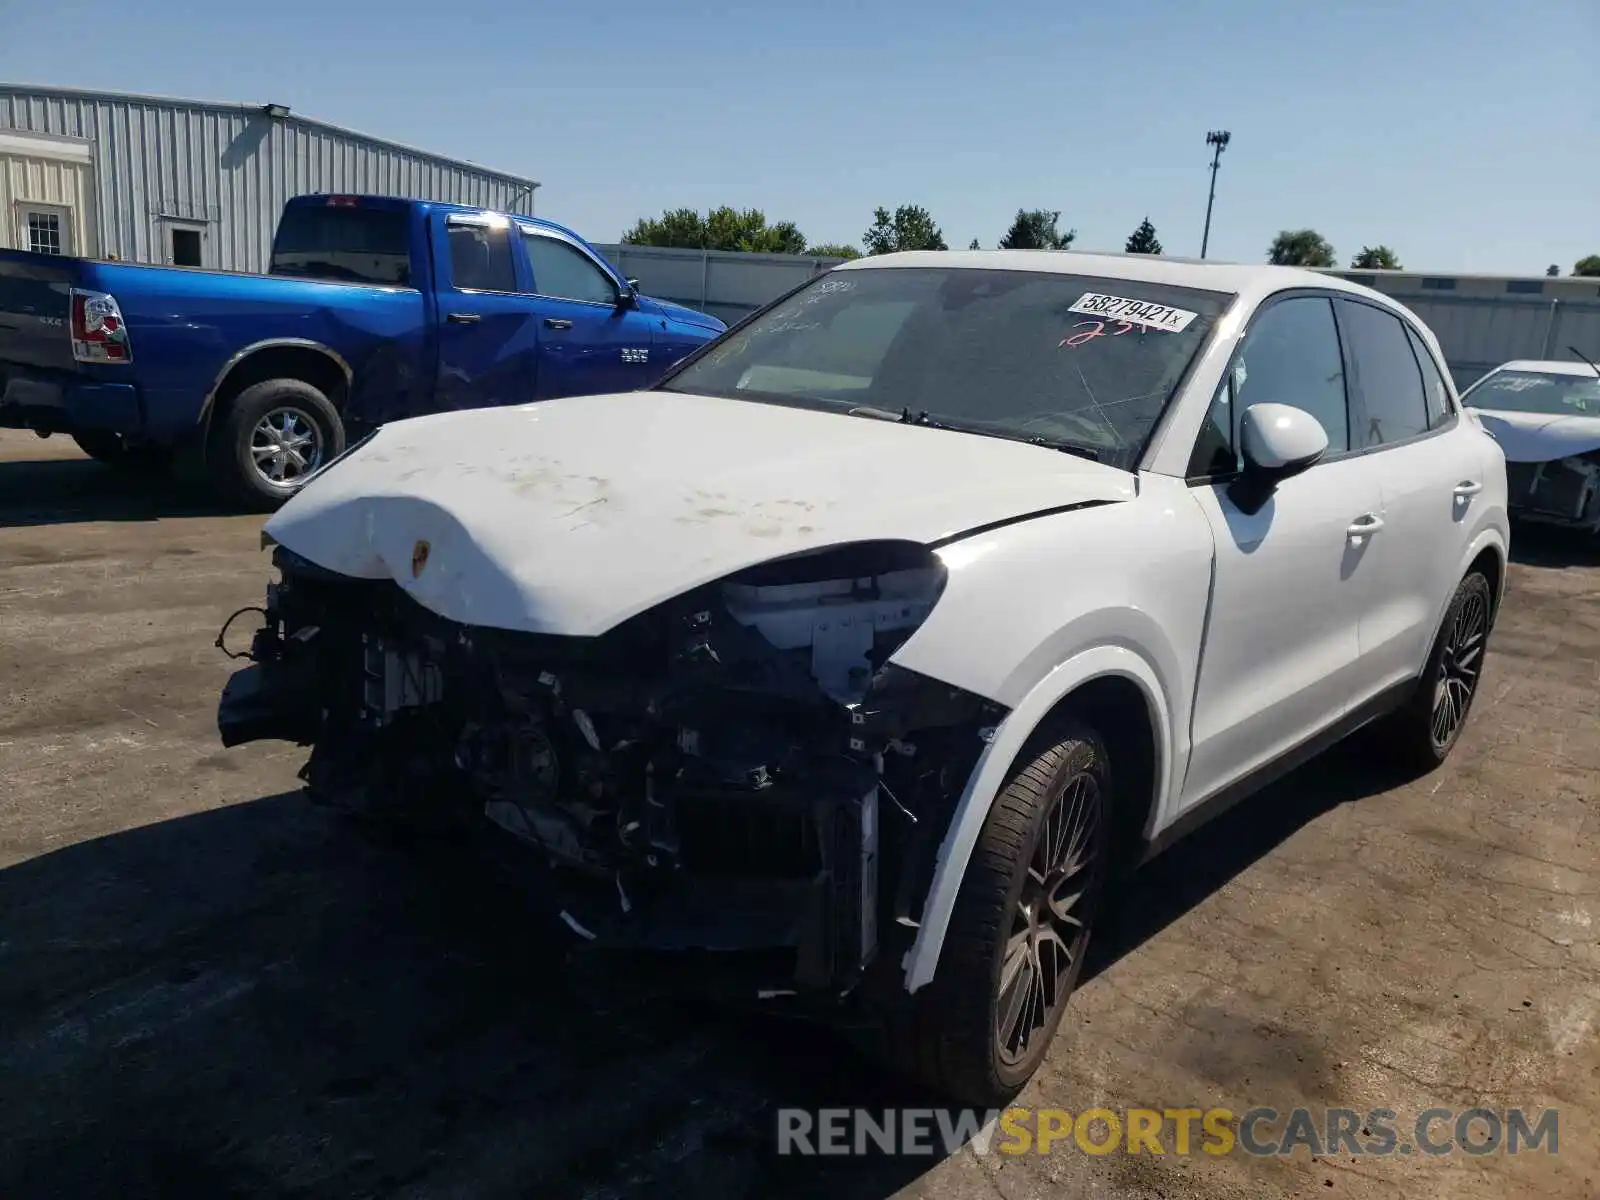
1426, 728
269, 440
1019, 930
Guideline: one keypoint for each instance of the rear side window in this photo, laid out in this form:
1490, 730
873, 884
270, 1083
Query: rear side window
1433, 385
1390, 379
347, 243
480, 258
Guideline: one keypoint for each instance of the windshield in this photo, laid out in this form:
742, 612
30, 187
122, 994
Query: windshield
1067, 360
347, 242
1537, 392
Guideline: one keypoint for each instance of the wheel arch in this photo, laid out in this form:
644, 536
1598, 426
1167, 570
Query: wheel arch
279, 358
1114, 680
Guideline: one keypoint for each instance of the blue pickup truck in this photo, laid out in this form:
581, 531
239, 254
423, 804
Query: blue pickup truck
373, 309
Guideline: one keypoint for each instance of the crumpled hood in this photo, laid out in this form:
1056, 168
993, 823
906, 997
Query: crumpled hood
1540, 437
569, 516
688, 316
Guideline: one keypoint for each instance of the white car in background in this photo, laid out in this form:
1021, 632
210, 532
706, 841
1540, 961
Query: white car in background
1546, 417
862, 649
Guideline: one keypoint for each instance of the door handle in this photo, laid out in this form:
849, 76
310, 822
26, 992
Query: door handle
1468, 487
461, 318
557, 323
1370, 523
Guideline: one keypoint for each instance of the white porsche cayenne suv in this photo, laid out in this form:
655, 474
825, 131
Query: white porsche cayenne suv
856, 654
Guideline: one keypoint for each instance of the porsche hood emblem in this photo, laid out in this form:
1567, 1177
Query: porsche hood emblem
419, 558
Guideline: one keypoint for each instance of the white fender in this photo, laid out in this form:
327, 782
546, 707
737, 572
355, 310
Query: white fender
994, 765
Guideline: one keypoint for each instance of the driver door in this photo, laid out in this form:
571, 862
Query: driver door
1281, 656
592, 338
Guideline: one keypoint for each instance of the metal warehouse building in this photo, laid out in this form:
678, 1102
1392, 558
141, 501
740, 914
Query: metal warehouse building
193, 183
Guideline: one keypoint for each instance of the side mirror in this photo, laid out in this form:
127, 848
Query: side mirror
1277, 441
634, 284
628, 296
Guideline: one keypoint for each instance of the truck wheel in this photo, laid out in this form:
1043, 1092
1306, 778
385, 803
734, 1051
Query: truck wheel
1017, 936
1423, 731
110, 449
271, 436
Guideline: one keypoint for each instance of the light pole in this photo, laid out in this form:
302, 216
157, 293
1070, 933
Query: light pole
1218, 138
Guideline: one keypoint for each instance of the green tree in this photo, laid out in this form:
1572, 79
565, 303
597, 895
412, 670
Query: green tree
723, 228
1035, 229
1300, 248
1587, 266
1552, 270
973, 245
910, 228
1376, 258
833, 250
1143, 240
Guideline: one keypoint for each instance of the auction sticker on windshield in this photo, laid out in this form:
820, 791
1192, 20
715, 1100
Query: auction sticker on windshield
1139, 312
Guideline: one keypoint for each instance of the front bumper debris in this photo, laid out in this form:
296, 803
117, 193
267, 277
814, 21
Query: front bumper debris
718, 775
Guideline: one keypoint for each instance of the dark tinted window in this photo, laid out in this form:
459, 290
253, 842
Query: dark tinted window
1391, 380
566, 272
1289, 356
1047, 356
362, 245
1433, 385
480, 258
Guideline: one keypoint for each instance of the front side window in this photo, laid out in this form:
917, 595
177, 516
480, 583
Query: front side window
480, 258
1536, 392
1391, 381
1076, 361
565, 272
1290, 355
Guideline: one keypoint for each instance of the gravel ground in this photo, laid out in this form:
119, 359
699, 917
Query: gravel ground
208, 988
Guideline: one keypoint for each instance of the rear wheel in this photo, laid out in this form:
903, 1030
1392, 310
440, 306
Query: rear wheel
110, 449
1424, 731
1019, 931
269, 440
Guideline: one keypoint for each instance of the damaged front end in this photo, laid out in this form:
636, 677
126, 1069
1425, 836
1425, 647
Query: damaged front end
1563, 492
740, 769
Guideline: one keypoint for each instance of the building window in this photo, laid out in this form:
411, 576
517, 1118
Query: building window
44, 232
1439, 285
1525, 287
185, 247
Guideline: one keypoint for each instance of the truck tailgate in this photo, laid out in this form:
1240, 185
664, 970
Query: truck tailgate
35, 310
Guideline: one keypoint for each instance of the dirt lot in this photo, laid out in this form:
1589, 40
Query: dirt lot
207, 988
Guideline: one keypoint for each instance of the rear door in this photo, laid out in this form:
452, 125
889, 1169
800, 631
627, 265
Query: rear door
1429, 463
592, 337
488, 337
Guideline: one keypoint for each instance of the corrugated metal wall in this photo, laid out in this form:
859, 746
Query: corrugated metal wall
231, 167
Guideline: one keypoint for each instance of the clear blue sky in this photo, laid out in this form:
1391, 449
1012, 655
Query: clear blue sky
1464, 133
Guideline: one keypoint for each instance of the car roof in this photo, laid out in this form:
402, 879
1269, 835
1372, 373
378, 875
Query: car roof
1250, 281
1546, 366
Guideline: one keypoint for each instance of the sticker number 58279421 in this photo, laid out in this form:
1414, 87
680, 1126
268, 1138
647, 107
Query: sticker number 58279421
1137, 312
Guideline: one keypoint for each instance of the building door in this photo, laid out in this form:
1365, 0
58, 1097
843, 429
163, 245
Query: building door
44, 228
182, 243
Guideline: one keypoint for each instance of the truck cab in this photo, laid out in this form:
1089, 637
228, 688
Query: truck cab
373, 309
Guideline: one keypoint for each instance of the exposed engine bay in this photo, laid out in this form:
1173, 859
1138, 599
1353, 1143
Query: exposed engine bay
739, 769
1561, 492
